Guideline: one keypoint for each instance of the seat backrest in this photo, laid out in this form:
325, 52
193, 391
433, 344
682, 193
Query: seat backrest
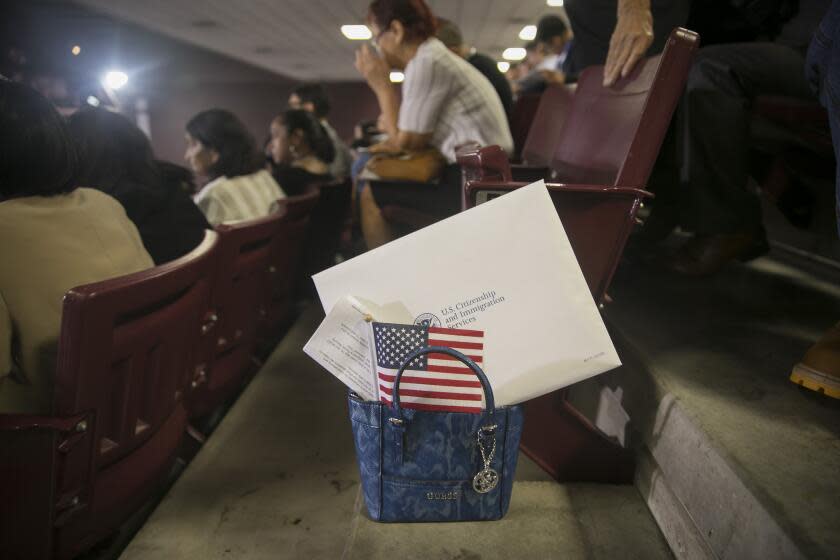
329, 218
597, 220
612, 135
521, 118
238, 296
547, 124
287, 252
125, 357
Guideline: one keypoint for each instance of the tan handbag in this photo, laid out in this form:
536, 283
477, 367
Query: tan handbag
422, 166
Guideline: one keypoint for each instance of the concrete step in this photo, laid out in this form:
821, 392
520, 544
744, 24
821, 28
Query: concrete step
546, 520
734, 460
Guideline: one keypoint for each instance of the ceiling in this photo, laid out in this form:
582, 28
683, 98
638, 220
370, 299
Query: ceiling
301, 38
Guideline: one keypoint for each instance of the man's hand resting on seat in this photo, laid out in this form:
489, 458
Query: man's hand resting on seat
630, 40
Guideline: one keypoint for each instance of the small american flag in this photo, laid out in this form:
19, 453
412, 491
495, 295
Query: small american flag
433, 381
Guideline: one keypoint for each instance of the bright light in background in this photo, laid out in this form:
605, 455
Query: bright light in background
503, 66
92, 100
528, 33
397, 77
115, 79
514, 53
554, 3
356, 32
76, 50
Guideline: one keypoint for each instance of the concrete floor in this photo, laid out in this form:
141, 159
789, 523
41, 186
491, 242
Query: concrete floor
278, 479
754, 459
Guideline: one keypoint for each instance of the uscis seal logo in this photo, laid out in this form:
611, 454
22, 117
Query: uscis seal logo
427, 320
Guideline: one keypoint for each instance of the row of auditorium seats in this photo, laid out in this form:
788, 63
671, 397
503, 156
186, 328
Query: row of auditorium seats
140, 359
599, 145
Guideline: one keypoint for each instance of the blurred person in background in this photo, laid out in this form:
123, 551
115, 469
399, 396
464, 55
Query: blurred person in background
301, 151
116, 158
221, 150
56, 236
549, 53
313, 98
450, 35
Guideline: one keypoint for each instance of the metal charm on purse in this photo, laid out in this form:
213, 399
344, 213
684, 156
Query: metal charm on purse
419, 465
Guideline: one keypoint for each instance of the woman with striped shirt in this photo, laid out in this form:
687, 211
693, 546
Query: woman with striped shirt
446, 103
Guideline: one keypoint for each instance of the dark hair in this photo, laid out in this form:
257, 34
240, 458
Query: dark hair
220, 130
449, 33
37, 157
315, 94
113, 152
176, 176
549, 27
415, 15
313, 133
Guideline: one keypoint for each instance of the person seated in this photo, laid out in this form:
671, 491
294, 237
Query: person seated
446, 103
116, 158
450, 35
553, 41
56, 236
301, 151
313, 98
220, 149
715, 201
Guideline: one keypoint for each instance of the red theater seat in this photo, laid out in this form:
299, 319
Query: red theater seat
522, 117
606, 149
544, 134
287, 256
126, 355
610, 136
239, 295
331, 216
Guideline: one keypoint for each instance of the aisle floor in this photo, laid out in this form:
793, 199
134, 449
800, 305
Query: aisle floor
278, 479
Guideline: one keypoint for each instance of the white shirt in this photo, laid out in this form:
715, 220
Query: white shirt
446, 96
246, 197
340, 166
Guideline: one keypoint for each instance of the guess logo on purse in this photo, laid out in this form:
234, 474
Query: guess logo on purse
451, 495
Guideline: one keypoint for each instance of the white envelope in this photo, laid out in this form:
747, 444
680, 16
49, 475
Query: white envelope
505, 267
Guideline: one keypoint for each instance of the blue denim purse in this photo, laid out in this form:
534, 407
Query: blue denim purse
417, 465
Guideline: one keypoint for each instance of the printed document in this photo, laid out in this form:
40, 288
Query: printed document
341, 345
505, 267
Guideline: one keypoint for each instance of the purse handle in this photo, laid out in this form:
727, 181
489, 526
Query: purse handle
485, 383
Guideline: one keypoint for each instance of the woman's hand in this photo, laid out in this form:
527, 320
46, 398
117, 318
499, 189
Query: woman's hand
375, 70
630, 40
